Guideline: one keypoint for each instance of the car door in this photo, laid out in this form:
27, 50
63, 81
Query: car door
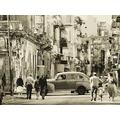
82, 81
71, 81
60, 82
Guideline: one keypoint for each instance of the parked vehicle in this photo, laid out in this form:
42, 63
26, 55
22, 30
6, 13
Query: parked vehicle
73, 81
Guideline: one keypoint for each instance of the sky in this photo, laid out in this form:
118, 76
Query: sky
100, 18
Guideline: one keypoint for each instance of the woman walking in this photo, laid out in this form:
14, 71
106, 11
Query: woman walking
19, 85
37, 88
112, 89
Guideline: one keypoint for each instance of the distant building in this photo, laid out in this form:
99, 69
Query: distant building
103, 29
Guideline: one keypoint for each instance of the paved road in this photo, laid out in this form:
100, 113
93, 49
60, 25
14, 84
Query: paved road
59, 99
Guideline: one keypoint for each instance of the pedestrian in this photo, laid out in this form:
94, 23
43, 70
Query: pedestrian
43, 86
111, 87
1, 93
100, 90
29, 86
3, 82
2, 85
19, 85
94, 82
37, 87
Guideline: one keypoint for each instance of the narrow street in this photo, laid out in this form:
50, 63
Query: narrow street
59, 99
59, 60
59, 52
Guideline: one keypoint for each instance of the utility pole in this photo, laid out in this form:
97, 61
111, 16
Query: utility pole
43, 23
9, 50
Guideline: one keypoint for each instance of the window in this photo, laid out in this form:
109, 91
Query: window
61, 77
3, 17
72, 77
81, 78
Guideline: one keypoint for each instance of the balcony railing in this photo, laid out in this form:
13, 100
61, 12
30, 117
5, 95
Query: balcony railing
11, 25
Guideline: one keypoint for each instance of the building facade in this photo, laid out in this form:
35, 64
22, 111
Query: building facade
19, 49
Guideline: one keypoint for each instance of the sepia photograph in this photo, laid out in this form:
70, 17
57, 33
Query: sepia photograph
60, 59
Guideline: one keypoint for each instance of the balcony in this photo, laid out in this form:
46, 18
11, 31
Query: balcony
12, 25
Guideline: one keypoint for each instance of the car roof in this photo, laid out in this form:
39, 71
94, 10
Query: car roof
72, 73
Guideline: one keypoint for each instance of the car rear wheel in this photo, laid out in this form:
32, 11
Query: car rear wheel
81, 90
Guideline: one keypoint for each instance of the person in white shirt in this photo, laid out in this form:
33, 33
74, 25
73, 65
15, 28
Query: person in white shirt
29, 86
94, 83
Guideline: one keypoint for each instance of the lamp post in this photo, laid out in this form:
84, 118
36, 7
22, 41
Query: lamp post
9, 51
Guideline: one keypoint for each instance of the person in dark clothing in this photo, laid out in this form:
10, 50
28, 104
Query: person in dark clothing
19, 85
3, 82
43, 86
1, 94
37, 87
19, 82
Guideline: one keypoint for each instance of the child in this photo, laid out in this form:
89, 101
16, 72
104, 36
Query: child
100, 91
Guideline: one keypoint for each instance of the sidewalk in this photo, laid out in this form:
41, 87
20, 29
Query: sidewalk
63, 100
20, 100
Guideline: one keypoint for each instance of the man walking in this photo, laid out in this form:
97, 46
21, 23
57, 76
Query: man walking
43, 86
37, 88
94, 82
29, 86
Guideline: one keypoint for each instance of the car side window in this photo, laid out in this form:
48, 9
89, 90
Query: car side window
81, 78
61, 77
71, 77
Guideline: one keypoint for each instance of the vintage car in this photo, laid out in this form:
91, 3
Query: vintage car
73, 81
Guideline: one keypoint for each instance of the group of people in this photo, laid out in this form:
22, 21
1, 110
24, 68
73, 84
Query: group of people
40, 86
98, 88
